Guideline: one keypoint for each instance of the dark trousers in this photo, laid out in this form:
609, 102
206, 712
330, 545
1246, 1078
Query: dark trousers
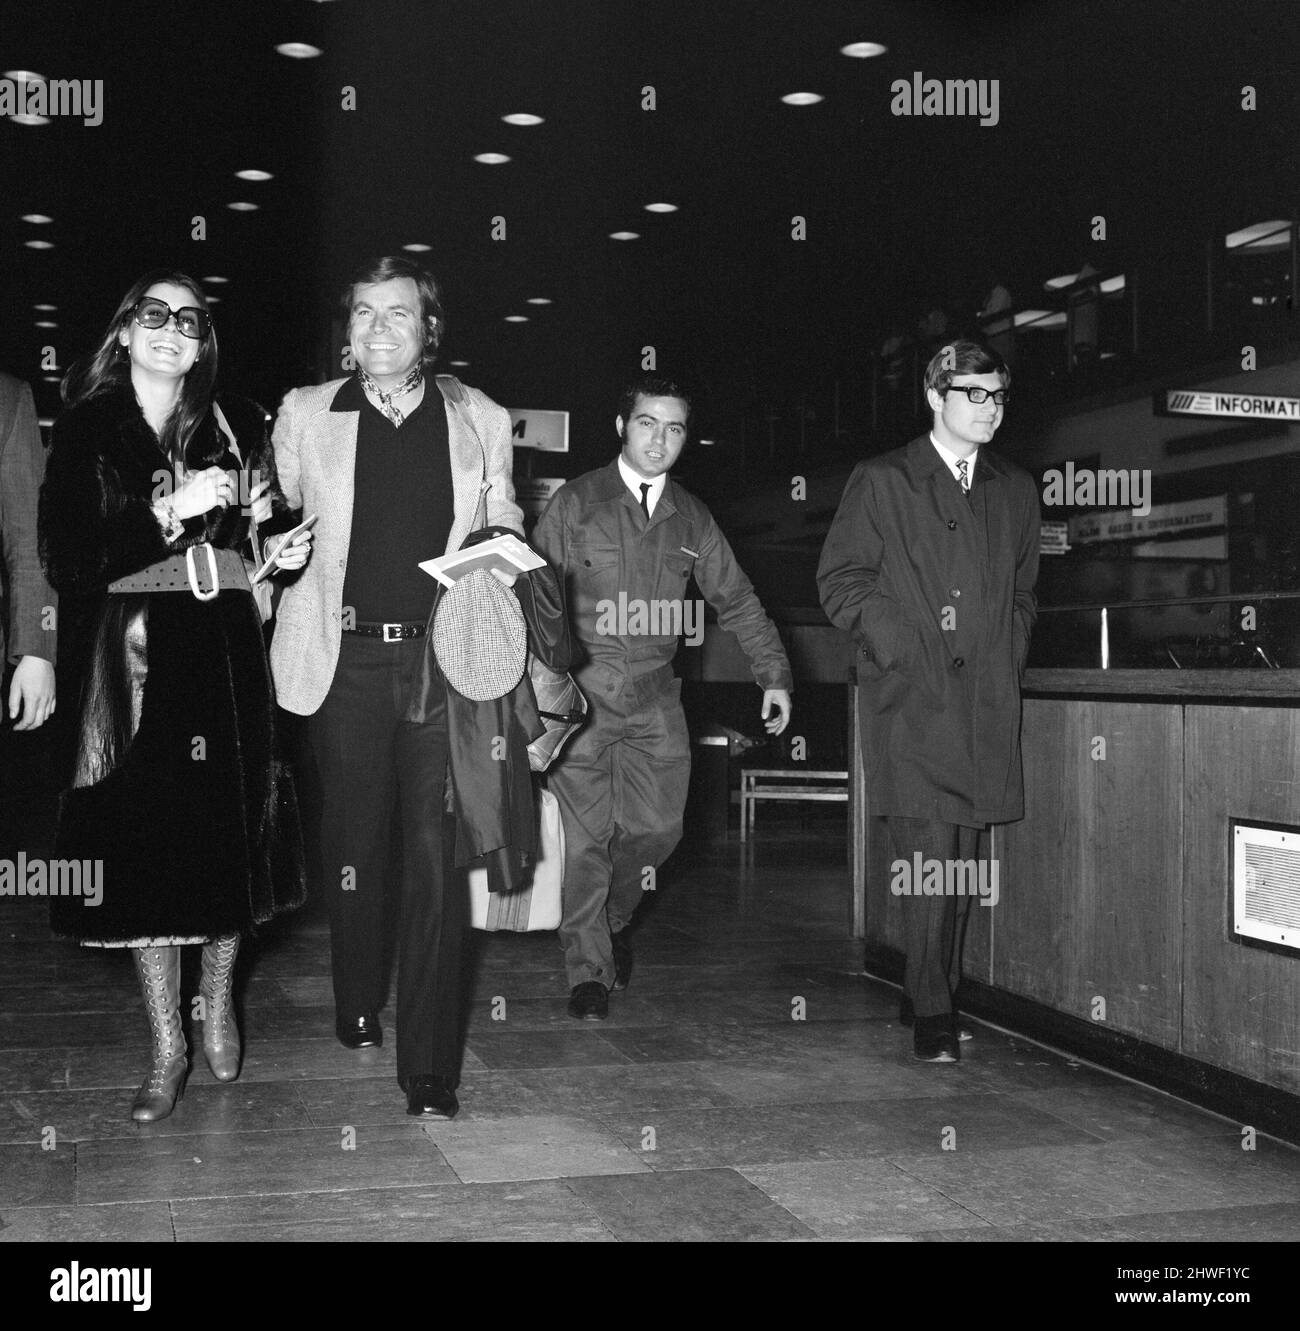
29, 803
621, 785
369, 759
933, 927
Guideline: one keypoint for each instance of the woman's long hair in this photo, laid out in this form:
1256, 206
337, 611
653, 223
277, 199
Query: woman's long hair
109, 367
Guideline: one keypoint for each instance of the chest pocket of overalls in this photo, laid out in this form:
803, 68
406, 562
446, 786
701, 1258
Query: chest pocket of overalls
595, 569
674, 576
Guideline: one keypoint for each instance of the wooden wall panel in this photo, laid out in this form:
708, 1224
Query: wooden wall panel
1092, 878
1241, 1004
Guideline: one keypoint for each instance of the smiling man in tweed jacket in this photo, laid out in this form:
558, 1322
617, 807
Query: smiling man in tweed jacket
394, 466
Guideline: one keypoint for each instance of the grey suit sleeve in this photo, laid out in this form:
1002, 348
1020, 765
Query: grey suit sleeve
32, 601
285, 443
492, 424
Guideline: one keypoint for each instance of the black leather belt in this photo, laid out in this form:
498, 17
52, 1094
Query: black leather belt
391, 632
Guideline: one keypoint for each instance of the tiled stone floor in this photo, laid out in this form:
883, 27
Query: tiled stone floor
700, 1110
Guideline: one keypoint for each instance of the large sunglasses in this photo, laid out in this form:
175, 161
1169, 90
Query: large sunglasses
191, 322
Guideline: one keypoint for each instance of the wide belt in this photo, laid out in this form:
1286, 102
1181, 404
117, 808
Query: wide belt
201, 570
391, 632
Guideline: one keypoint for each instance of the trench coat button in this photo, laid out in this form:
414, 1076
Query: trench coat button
959, 661
952, 524
954, 591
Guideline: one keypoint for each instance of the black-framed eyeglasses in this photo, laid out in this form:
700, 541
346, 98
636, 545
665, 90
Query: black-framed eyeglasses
978, 396
191, 322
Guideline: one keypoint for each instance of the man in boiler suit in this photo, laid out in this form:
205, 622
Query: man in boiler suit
627, 534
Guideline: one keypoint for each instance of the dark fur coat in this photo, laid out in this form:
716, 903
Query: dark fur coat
165, 727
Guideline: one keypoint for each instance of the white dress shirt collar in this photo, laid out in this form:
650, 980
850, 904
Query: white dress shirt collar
635, 482
951, 459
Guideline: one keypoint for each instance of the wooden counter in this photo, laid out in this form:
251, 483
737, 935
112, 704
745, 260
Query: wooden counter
1115, 899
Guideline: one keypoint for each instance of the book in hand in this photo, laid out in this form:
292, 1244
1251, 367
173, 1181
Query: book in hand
508, 553
306, 525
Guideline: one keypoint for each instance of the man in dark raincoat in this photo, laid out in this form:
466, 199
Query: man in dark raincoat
930, 563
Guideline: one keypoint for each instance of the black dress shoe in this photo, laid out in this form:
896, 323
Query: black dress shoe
361, 1032
622, 942
431, 1097
907, 1017
934, 1041
589, 1001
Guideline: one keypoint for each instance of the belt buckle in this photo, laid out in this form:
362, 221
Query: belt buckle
192, 569
397, 632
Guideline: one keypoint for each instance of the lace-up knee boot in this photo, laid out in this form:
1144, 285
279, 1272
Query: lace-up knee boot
220, 1034
159, 969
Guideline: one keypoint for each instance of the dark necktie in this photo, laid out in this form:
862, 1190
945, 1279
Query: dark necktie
645, 501
961, 476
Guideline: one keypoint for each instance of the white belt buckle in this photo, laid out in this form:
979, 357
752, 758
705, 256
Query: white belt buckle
193, 572
397, 632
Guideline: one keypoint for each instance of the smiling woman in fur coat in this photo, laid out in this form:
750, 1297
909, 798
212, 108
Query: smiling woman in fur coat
165, 717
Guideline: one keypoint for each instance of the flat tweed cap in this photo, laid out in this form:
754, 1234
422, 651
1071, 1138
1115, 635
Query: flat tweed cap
480, 638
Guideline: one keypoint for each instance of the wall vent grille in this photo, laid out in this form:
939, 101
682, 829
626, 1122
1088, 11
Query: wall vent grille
1266, 884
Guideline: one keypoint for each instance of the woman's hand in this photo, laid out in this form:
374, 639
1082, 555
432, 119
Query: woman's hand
211, 488
260, 501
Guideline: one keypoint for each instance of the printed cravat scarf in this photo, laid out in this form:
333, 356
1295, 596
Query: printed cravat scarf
961, 475
408, 385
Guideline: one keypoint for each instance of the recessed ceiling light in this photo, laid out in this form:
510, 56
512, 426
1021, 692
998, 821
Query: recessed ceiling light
39, 244
298, 50
253, 174
539, 300
213, 300
45, 309
522, 118
37, 219
863, 50
661, 207
46, 323
217, 281
416, 248
25, 76
802, 98
516, 318
491, 159
30, 119
459, 364
242, 207
51, 378
625, 235
707, 443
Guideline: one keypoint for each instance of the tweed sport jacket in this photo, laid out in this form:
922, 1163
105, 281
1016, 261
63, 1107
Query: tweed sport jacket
315, 454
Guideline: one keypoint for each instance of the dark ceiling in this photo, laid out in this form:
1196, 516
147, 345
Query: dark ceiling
1125, 109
